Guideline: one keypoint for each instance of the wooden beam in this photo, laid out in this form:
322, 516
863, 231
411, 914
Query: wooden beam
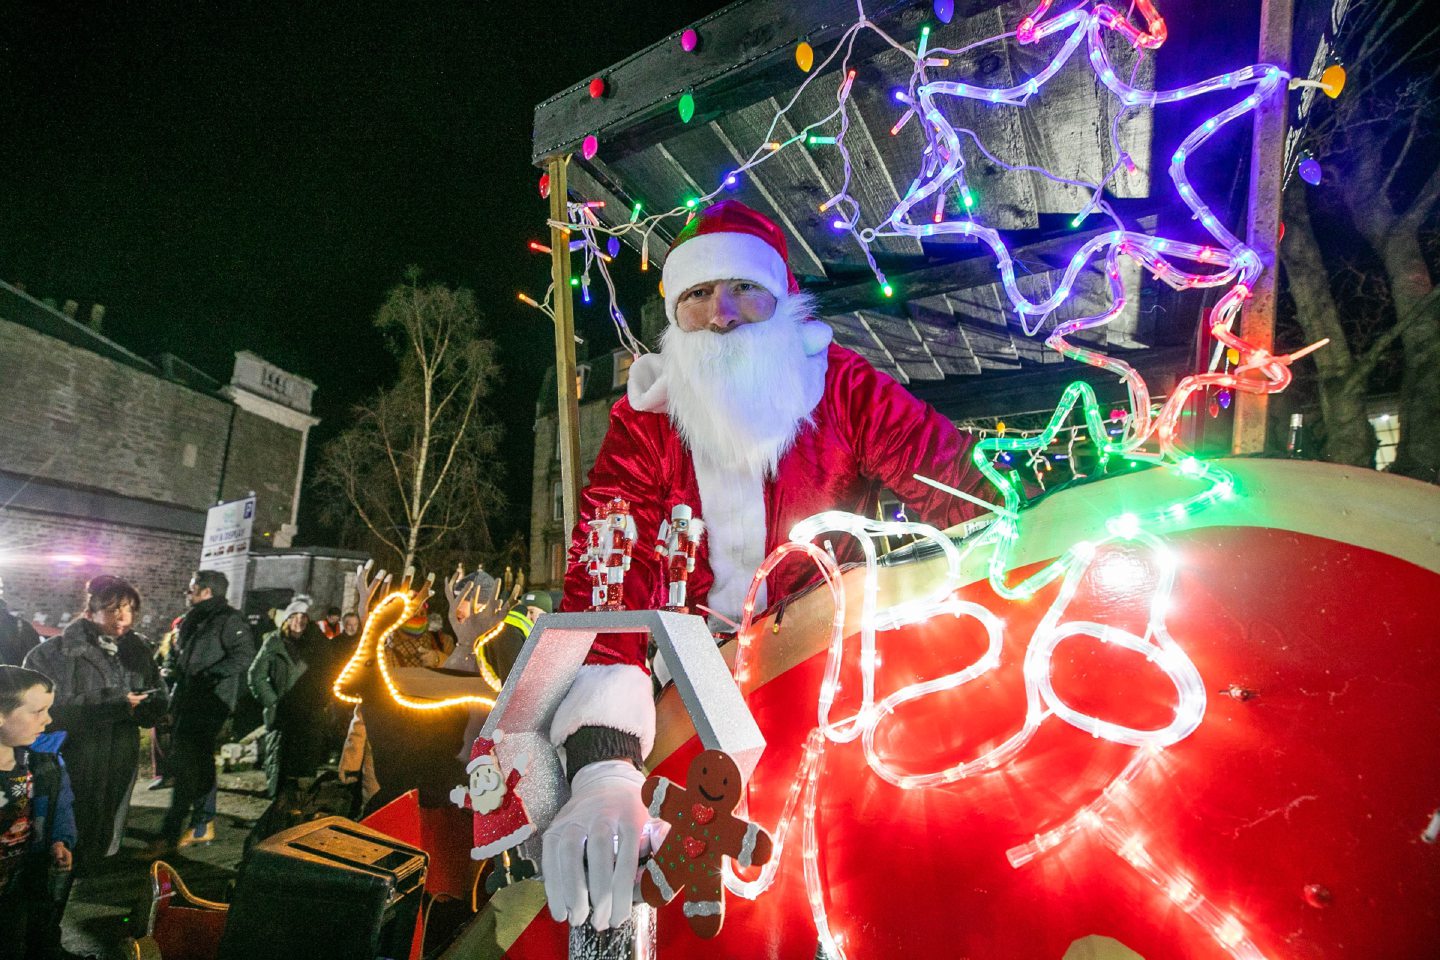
736, 44
567, 391
1038, 389
937, 278
1262, 228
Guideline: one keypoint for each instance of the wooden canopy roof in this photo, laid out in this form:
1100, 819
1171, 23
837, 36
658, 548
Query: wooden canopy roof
950, 318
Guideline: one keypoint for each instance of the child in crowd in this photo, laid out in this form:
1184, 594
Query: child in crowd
37, 819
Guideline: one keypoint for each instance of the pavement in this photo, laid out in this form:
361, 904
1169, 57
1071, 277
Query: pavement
112, 901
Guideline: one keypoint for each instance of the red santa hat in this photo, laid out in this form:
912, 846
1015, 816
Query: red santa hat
727, 241
483, 751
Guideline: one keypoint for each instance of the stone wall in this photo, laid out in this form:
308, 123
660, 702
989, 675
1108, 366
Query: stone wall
264, 457
72, 415
46, 560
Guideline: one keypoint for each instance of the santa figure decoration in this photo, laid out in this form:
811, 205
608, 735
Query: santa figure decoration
500, 818
607, 553
676, 543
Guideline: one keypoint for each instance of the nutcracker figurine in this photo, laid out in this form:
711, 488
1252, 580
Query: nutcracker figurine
607, 553
676, 543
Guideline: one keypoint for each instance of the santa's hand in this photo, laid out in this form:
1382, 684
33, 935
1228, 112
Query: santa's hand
458, 795
596, 838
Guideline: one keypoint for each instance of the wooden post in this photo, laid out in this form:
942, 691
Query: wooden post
568, 408
1262, 228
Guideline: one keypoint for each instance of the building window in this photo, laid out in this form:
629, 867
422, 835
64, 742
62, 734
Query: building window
557, 501
582, 377
557, 563
620, 361
1387, 431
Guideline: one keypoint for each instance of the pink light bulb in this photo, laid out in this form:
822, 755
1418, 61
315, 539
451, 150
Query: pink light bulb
689, 40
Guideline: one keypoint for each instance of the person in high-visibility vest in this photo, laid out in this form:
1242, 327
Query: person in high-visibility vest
497, 655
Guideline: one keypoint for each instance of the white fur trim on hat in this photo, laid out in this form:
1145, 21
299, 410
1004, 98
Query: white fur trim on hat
614, 695
708, 257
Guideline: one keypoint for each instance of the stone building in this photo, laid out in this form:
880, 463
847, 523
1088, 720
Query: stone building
109, 461
602, 381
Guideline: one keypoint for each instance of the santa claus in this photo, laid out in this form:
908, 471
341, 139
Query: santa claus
752, 412
501, 821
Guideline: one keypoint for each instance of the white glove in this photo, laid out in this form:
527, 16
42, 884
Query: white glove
604, 807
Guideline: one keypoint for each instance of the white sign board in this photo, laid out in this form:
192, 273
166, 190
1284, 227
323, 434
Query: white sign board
227, 544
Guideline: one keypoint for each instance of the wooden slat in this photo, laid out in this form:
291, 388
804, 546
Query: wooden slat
876, 194
783, 184
1005, 200
1067, 131
890, 365
904, 344
850, 332
944, 337
979, 312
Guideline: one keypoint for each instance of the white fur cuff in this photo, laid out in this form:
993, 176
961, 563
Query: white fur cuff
608, 695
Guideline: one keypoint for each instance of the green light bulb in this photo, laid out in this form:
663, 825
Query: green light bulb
687, 107
888, 290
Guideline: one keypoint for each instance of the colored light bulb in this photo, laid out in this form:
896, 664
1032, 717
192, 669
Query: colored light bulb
612, 246
944, 10
589, 146
1310, 171
687, 106
597, 88
1332, 81
689, 40
544, 186
804, 56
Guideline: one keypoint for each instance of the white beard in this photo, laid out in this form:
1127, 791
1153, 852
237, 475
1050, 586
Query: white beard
740, 399
485, 802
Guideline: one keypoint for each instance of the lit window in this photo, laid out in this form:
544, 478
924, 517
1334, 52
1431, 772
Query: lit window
557, 562
1387, 431
582, 377
621, 361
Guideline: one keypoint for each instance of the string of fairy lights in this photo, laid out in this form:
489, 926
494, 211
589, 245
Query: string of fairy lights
1144, 432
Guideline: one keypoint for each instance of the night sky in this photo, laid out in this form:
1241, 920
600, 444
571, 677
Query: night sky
228, 176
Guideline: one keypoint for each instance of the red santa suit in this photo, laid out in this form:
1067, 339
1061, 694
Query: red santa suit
867, 433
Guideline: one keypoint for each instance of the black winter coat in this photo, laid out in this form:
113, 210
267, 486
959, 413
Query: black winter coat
216, 647
102, 742
17, 637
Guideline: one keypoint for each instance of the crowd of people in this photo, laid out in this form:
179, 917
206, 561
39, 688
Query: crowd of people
72, 708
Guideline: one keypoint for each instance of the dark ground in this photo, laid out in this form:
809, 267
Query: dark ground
112, 901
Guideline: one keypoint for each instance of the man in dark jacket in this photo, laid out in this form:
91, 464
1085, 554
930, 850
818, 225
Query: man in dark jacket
17, 635
216, 648
106, 688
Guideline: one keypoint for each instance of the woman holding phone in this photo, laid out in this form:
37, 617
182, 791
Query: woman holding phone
106, 688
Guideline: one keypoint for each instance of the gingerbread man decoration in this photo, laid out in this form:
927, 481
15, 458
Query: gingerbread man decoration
703, 831
675, 545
